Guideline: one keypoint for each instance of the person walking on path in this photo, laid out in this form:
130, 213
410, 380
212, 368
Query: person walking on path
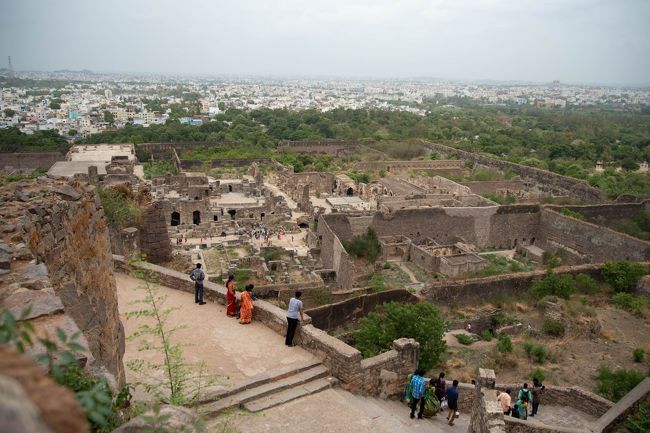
246, 309
505, 400
294, 312
440, 386
418, 385
452, 402
231, 298
537, 390
525, 397
197, 275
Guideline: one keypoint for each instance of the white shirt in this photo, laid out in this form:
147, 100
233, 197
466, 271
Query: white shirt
295, 305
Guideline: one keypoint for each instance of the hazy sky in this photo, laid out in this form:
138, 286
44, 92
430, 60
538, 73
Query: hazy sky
586, 41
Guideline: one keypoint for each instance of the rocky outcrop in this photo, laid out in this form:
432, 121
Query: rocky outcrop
169, 418
31, 402
60, 264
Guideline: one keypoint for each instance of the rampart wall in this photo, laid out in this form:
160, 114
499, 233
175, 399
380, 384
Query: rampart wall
542, 180
587, 242
606, 213
29, 160
491, 187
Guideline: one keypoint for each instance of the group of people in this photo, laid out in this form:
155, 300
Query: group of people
433, 397
244, 308
527, 400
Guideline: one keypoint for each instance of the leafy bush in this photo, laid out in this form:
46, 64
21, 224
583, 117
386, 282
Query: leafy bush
366, 246
538, 374
562, 286
640, 421
638, 354
536, 352
572, 214
499, 318
242, 274
359, 177
464, 339
387, 265
159, 168
550, 260
586, 284
486, 335
377, 283
553, 327
633, 304
271, 254
120, 208
504, 345
501, 199
421, 321
615, 384
623, 276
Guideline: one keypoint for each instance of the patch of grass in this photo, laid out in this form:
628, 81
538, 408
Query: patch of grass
536, 352
387, 265
464, 339
615, 384
321, 296
504, 344
586, 284
638, 354
538, 374
640, 421
364, 246
572, 214
486, 335
628, 302
500, 265
623, 276
377, 283
501, 199
553, 284
552, 327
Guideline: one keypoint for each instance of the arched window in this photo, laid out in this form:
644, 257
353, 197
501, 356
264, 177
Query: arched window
196, 217
176, 219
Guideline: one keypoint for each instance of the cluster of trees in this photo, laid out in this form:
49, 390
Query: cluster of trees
12, 140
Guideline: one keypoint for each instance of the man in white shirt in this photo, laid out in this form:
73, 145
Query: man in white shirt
504, 400
293, 313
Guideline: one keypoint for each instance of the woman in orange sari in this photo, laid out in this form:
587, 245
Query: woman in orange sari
246, 308
231, 299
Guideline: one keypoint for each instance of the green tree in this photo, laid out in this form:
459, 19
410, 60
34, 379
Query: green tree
55, 105
108, 117
615, 384
623, 276
9, 112
72, 132
393, 320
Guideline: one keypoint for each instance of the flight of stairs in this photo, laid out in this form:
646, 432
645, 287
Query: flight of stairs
269, 390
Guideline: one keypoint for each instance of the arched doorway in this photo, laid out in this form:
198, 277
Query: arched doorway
176, 219
215, 218
196, 217
232, 213
229, 188
303, 225
262, 216
349, 192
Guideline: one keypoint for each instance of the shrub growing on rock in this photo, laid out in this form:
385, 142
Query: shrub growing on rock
623, 276
504, 345
615, 384
562, 286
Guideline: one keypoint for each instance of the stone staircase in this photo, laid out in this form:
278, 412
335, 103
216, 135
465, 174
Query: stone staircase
269, 389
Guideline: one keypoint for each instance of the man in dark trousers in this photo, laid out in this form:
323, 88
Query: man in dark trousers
293, 313
197, 275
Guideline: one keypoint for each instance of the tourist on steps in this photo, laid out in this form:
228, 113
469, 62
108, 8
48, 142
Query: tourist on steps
197, 275
231, 298
452, 402
246, 309
293, 313
505, 400
440, 386
524, 398
417, 392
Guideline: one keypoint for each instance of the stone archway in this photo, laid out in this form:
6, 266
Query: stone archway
232, 213
175, 219
196, 217
349, 192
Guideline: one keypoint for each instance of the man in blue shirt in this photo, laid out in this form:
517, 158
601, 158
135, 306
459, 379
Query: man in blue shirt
452, 402
417, 392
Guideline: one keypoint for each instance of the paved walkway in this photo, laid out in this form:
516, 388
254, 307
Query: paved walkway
231, 351
338, 411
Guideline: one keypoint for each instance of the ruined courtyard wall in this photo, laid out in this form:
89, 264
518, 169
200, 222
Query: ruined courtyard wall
29, 160
491, 187
587, 242
67, 230
495, 226
533, 178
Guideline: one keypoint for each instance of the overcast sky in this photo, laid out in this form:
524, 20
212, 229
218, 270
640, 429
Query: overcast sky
580, 41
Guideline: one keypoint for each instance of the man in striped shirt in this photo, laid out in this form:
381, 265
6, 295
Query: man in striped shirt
417, 392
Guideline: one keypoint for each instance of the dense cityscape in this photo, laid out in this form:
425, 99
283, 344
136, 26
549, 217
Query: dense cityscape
78, 104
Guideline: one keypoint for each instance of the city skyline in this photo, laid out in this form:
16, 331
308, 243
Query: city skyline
580, 42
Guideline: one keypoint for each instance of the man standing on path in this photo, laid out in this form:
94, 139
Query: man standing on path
524, 396
452, 402
417, 394
505, 400
197, 275
537, 390
293, 313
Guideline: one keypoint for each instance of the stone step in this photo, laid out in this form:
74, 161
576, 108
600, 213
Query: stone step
290, 394
257, 380
236, 400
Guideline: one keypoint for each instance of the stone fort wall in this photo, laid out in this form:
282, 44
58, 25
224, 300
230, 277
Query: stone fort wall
542, 180
29, 160
606, 213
